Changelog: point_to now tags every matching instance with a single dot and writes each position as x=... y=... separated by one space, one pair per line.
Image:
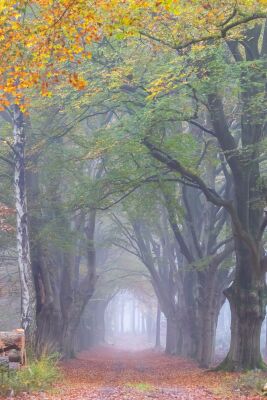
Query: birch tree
x=28 y=301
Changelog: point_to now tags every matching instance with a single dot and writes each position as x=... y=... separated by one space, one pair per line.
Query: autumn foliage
x=43 y=41
x=46 y=46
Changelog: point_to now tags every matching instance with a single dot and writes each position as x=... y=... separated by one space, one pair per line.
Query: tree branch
x=209 y=193
x=10 y=162
x=203 y=128
x=219 y=245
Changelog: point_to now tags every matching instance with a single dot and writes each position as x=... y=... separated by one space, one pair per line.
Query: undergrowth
x=38 y=375
x=250 y=382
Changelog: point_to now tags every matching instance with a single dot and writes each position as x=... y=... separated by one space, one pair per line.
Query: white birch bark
x=28 y=300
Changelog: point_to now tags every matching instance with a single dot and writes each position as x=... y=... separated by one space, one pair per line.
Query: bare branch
x=203 y=128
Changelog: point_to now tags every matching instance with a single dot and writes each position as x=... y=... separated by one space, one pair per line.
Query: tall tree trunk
x=28 y=299
x=68 y=339
x=49 y=332
x=98 y=326
x=158 y=321
x=133 y=317
x=210 y=302
x=138 y=321
x=143 y=324
x=95 y=327
x=48 y=268
x=208 y=317
x=122 y=317
x=100 y=316
x=247 y=315
x=247 y=294
x=73 y=302
x=171 y=336
x=187 y=312
x=149 y=326
x=186 y=336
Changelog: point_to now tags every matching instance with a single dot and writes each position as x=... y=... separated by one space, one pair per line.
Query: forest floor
x=109 y=373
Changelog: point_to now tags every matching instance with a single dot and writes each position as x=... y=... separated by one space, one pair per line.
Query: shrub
x=251 y=382
x=39 y=375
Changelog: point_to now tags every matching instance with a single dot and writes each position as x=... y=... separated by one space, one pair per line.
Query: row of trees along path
x=45 y=38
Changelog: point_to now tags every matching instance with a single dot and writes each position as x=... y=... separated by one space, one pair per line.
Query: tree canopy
x=138 y=125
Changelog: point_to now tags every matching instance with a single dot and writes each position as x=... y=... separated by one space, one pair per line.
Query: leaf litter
x=107 y=373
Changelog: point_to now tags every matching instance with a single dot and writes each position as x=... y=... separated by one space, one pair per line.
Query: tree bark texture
x=28 y=298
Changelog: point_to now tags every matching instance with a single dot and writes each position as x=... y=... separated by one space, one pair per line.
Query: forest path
x=108 y=373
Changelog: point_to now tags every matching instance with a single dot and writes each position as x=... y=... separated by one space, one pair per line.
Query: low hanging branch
x=174 y=165
x=210 y=194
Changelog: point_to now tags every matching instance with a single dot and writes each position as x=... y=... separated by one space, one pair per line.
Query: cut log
x=13 y=340
x=14 y=356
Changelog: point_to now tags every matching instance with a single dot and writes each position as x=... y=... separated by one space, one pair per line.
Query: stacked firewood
x=12 y=348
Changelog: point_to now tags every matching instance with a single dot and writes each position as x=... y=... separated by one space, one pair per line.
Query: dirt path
x=109 y=374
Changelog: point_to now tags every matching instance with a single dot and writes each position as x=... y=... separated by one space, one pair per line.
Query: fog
x=131 y=324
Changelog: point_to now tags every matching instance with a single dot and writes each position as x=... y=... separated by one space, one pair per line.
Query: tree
x=128 y=166
x=43 y=45
x=17 y=148
x=205 y=249
x=28 y=296
x=63 y=254
x=188 y=283
x=246 y=294
x=40 y=38
x=251 y=89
